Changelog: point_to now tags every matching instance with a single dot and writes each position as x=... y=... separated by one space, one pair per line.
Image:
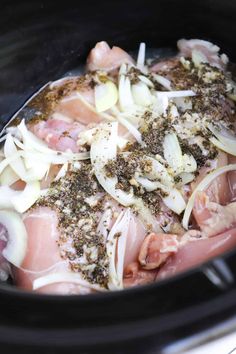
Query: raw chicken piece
x=81 y=110
x=213 y=218
x=156 y=248
x=196 y=252
x=232 y=179
x=208 y=50
x=102 y=57
x=165 y=65
x=135 y=275
x=43 y=253
x=58 y=134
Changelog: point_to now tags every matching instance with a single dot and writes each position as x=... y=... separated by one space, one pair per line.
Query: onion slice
x=64 y=277
x=141 y=56
x=173 y=94
x=200 y=187
x=32 y=142
x=172 y=152
x=10 y=150
x=22 y=201
x=116 y=249
x=15 y=250
x=106 y=96
x=104 y=149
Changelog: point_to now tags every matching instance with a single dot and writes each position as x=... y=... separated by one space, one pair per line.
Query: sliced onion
x=10 y=150
x=183 y=103
x=6 y=195
x=145 y=215
x=22 y=201
x=131 y=128
x=32 y=142
x=103 y=150
x=64 y=277
x=141 y=56
x=227 y=148
x=163 y=81
x=106 y=96
x=202 y=186
x=125 y=96
x=225 y=137
x=116 y=251
x=174 y=94
x=8 y=177
x=160 y=104
x=172 y=152
x=123 y=69
x=88 y=105
x=146 y=81
x=175 y=201
x=15 y=250
x=141 y=94
x=186 y=178
x=122 y=142
x=158 y=171
x=189 y=163
x=62 y=172
x=121 y=247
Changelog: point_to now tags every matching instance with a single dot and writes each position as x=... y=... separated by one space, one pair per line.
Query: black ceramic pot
x=41 y=41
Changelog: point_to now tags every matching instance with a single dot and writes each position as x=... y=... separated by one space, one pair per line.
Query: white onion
x=174 y=94
x=62 y=172
x=121 y=247
x=6 y=195
x=189 y=163
x=141 y=56
x=103 y=150
x=200 y=187
x=175 y=201
x=226 y=140
x=125 y=96
x=163 y=81
x=172 y=152
x=106 y=96
x=32 y=142
x=10 y=150
x=160 y=104
x=8 y=177
x=186 y=178
x=23 y=200
x=88 y=105
x=141 y=94
x=183 y=103
x=131 y=128
x=145 y=215
x=146 y=81
x=227 y=148
x=64 y=277
x=116 y=249
x=15 y=249
x=158 y=171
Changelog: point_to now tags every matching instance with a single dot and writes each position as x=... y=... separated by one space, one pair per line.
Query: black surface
x=39 y=42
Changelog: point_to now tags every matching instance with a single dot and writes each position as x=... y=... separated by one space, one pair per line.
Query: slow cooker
x=40 y=41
